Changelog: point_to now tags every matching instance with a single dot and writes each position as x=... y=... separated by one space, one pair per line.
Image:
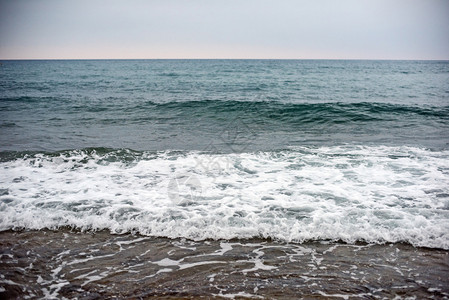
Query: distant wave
x=328 y=112
x=286 y=109
x=301 y=113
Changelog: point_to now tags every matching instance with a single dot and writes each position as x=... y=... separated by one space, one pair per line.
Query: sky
x=271 y=29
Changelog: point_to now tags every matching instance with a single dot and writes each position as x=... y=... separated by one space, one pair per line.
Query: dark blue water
x=227 y=105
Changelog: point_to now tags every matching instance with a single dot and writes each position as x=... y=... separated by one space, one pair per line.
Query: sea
x=224 y=179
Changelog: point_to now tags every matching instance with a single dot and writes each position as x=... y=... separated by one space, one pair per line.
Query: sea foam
x=351 y=193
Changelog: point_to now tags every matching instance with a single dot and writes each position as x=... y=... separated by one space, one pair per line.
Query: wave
x=351 y=111
x=363 y=111
x=375 y=194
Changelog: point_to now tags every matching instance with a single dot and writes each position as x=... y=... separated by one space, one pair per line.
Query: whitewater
x=375 y=194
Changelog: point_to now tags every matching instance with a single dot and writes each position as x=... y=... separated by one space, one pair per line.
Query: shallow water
x=64 y=263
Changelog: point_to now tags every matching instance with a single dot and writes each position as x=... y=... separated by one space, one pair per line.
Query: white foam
x=258 y=262
x=200 y=263
x=239 y=294
x=333 y=295
x=371 y=193
x=225 y=247
x=166 y=262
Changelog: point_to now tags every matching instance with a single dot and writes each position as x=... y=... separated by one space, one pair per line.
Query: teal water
x=190 y=104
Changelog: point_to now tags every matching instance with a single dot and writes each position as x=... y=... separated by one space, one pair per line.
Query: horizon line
x=354 y=59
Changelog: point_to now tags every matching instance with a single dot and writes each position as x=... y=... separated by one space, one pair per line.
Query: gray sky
x=349 y=29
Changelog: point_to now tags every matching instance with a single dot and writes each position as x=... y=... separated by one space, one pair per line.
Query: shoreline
x=74 y=264
x=137 y=235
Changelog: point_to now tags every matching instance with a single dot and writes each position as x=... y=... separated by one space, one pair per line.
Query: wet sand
x=71 y=264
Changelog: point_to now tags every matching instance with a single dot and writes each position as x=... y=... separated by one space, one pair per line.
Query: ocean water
x=293 y=153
